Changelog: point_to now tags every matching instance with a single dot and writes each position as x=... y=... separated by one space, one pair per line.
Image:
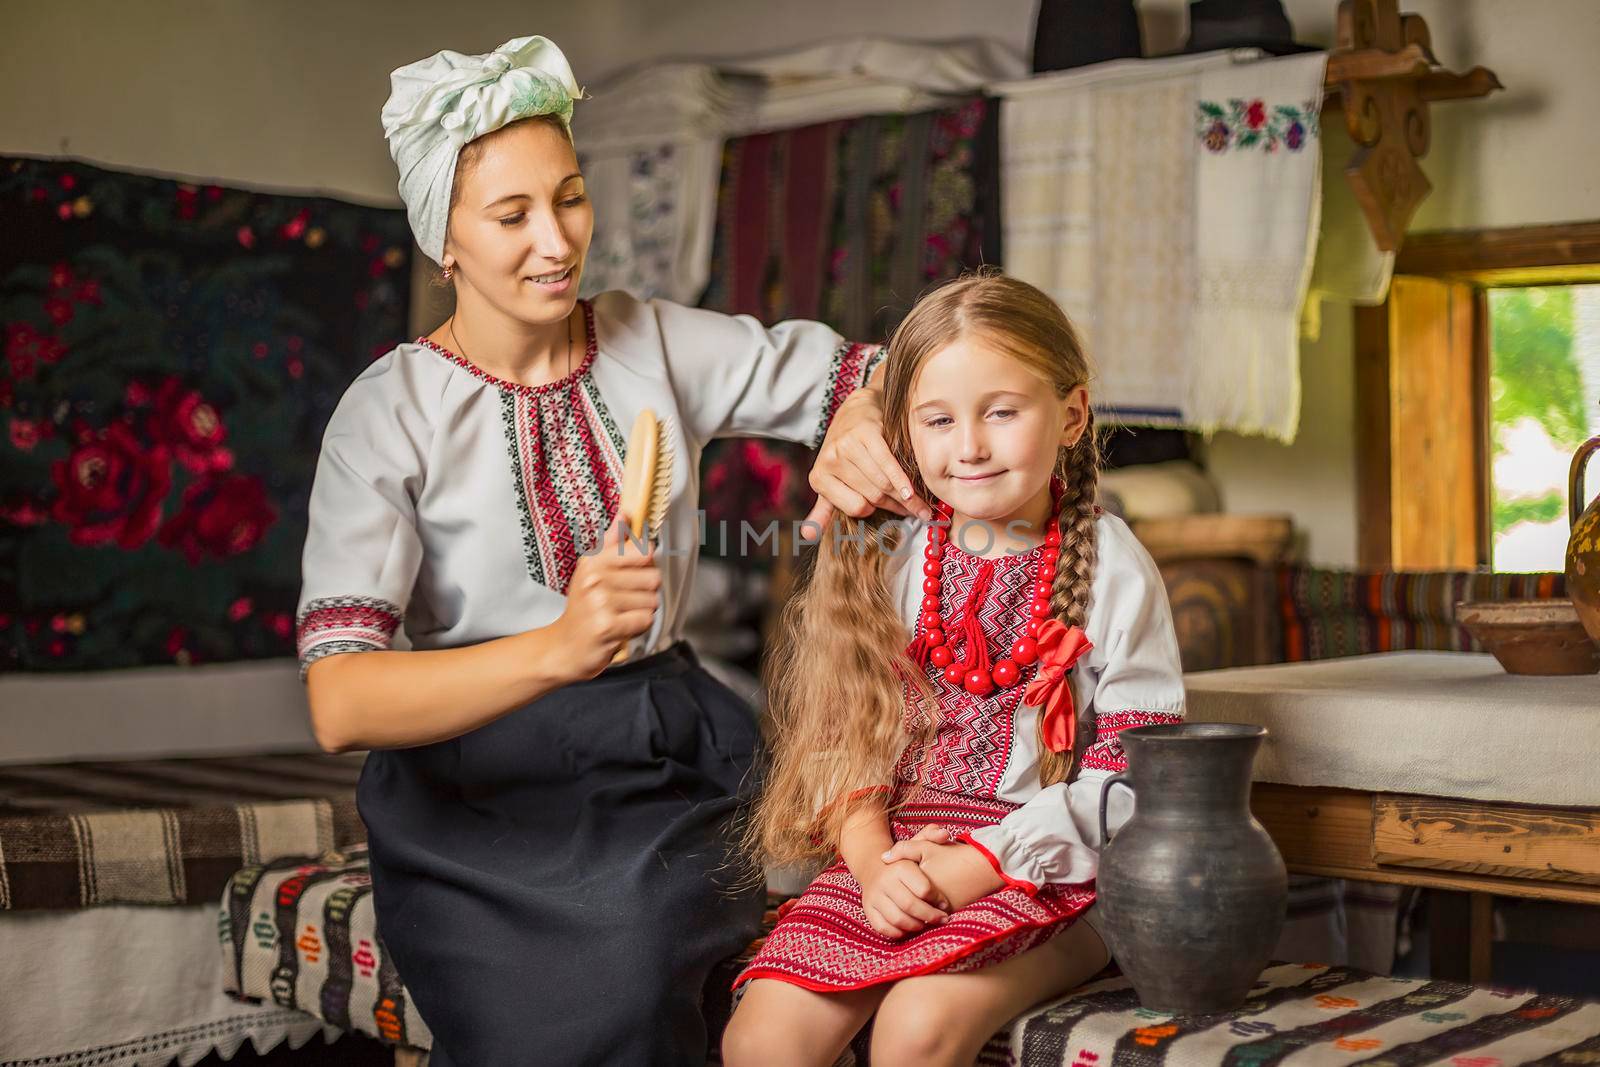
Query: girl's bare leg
x=779 y=1024
x=945 y=1019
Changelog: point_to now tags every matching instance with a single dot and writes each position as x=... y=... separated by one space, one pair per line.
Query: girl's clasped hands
x=922 y=881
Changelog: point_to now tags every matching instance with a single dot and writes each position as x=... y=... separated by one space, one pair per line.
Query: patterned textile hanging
x=173 y=352
x=848 y=222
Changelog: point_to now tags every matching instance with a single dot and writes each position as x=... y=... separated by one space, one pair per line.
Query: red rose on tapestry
x=191 y=427
x=111 y=490
x=1256 y=114
x=750 y=481
x=59 y=309
x=22 y=342
x=222 y=516
x=26 y=513
x=26 y=433
x=26 y=348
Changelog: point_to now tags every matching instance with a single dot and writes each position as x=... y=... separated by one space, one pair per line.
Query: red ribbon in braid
x=1059 y=648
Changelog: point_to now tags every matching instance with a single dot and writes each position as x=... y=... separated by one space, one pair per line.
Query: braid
x=1079 y=469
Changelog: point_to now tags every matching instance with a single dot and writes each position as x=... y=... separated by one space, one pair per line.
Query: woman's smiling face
x=521 y=222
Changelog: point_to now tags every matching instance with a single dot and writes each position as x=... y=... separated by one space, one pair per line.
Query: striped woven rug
x=1310 y=1015
x=75 y=835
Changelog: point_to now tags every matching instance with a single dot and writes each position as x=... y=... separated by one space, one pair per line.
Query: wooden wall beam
x=1374 y=445
x=1568 y=253
x=1419 y=463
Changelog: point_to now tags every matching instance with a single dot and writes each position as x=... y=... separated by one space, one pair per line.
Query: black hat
x=1263 y=24
x=1075 y=33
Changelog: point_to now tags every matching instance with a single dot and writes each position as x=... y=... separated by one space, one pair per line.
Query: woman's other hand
x=854 y=471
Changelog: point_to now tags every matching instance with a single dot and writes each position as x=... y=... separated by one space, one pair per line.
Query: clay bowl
x=1532 y=636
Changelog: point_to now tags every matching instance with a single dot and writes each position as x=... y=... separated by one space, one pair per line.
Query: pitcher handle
x=1575 y=500
x=1105 y=795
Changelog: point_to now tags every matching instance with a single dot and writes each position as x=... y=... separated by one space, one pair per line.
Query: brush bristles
x=661 y=487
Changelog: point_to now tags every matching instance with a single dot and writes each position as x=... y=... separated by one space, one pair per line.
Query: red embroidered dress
x=978 y=775
x=459 y=503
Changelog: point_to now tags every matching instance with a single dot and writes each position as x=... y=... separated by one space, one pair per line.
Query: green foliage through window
x=1534 y=371
x=1541 y=407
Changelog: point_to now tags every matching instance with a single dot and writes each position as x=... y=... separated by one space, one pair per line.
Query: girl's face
x=521 y=225
x=985 y=430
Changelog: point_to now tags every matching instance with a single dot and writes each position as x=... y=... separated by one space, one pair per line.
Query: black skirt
x=555 y=887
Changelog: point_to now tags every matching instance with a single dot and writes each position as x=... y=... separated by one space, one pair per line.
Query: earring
x=449 y=271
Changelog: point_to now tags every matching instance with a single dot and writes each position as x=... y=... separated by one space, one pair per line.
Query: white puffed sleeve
x=1055 y=837
x=1132 y=678
x=362 y=551
x=733 y=377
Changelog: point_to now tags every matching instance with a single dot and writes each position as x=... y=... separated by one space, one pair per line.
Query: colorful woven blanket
x=303 y=936
x=75 y=835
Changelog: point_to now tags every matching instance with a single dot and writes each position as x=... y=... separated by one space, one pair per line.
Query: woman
x=548 y=836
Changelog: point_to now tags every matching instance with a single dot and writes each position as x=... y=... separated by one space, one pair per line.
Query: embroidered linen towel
x=1143 y=240
x=651 y=145
x=1171 y=207
x=1047 y=197
x=655 y=212
x=1257 y=204
x=1097 y=207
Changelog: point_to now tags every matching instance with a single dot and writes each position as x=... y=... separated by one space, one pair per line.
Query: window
x=1475 y=382
x=1544 y=401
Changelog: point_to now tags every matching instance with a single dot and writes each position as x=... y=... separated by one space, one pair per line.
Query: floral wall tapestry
x=172 y=354
x=848 y=222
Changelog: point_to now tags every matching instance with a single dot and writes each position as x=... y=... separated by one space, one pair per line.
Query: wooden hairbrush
x=646 y=482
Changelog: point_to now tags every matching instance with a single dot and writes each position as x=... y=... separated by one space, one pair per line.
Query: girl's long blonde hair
x=844 y=698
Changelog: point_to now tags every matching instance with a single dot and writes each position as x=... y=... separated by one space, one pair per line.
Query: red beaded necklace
x=975 y=673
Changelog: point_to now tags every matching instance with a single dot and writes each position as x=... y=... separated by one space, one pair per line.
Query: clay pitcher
x=1583 y=549
x=1192 y=890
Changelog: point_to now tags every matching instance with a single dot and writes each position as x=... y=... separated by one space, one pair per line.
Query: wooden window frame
x=1422 y=361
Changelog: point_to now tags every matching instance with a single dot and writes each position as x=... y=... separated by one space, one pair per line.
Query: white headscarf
x=438 y=104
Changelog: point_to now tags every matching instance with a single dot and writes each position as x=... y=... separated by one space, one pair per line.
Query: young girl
x=946 y=705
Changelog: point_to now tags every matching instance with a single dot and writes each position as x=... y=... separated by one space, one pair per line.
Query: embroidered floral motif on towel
x=852 y=365
x=330 y=625
x=1242 y=124
x=1106 y=753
